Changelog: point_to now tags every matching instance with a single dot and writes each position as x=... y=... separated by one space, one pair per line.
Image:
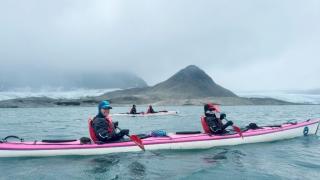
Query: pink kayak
x=172 y=141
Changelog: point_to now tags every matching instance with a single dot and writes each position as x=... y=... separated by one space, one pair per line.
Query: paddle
x=136 y=140
x=238 y=130
x=235 y=128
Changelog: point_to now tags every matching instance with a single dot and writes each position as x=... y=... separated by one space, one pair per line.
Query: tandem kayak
x=170 y=142
x=143 y=114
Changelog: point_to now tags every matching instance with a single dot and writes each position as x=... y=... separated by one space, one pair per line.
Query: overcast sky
x=242 y=45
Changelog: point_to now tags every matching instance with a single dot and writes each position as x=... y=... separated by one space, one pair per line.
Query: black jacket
x=100 y=127
x=214 y=123
x=133 y=110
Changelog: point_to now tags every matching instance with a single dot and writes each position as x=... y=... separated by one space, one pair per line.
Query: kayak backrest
x=204 y=124
x=91 y=131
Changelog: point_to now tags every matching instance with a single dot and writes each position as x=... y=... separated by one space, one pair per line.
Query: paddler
x=150 y=110
x=133 y=110
x=103 y=126
x=214 y=118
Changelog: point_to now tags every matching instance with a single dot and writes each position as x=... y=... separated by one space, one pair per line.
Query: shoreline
x=38 y=102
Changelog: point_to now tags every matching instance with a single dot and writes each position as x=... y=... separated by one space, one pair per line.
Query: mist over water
x=54 y=93
x=285 y=96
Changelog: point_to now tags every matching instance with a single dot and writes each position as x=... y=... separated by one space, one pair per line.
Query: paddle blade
x=238 y=130
x=137 y=141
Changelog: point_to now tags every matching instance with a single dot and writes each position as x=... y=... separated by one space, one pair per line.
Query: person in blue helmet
x=103 y=126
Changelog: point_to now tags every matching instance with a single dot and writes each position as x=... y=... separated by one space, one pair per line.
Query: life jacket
x=110 y=124
x=213 y=123
x=205 y=126
x=92 y=133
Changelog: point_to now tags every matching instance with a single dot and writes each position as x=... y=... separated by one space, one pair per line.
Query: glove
x=125 y=132
x=223 y=116
x=229 y=123
x=115 y=124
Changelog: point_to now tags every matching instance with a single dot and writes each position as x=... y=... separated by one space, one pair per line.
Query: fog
x=243 y=45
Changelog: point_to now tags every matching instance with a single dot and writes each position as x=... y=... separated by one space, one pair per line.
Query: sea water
x=297 y=158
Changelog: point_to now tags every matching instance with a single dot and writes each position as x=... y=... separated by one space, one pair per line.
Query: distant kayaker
x=133 y=110
x=214 y=119
x=150 y=110
x=103 y=126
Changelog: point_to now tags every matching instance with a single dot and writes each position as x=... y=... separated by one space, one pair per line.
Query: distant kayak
x=142 y=114
x=172 y=141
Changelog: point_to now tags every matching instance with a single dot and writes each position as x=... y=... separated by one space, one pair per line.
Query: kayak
x=169 y=142
x=143 y=114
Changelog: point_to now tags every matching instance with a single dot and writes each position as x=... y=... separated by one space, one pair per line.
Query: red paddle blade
x=138 y=141
x=238 y=130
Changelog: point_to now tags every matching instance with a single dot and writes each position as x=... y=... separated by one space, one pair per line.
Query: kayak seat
x=205 y=126
x=91 y=131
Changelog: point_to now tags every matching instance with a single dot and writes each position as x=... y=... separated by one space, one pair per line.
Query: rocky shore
x=35 y=102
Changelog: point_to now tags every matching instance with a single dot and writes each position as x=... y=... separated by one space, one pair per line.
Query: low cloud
x=243 y=45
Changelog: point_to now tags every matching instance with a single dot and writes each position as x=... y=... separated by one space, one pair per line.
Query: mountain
x=189 y=83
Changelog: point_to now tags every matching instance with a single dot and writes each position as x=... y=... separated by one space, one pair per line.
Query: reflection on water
x=103 y=164
x=216 y=157
x=137 y=170
x=223 y=155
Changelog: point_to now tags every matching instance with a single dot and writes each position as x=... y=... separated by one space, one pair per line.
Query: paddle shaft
x=136 y=140
x=236 y=128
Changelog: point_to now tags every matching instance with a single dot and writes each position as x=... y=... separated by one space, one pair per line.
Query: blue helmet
x=104 y=105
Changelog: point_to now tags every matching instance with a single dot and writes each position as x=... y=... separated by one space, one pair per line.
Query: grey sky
x=243 y=45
